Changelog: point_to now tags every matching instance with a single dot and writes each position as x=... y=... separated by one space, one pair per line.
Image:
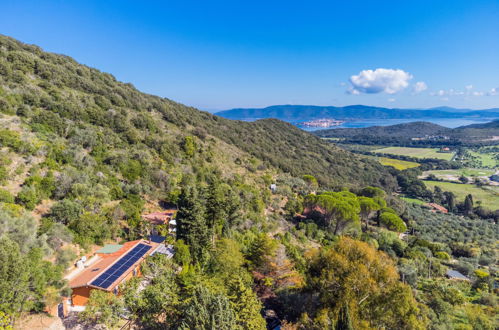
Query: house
x=435 y=207
x=455 y=275
x=161 y=218
x=109 y=269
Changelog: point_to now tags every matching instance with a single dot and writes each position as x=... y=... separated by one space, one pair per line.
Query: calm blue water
x=446 y=122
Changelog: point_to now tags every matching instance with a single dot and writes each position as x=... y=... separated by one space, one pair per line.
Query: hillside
x=414 y=129
x=85 y=159
x=415 y=133
x=309 y=112
x=56 y=96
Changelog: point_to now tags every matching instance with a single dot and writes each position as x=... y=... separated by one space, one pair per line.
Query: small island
x=325 y=122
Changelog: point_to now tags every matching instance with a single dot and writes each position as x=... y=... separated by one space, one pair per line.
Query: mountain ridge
x=308 y=112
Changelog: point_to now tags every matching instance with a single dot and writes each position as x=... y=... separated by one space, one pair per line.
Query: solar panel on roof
x=115 y=271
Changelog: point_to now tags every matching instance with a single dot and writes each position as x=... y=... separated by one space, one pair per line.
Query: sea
x=446 y=122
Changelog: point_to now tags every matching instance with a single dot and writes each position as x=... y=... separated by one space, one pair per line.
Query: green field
x=455 y=174
x=487 y=159
x=396 y=163
x=416 y=152
x=488 y=195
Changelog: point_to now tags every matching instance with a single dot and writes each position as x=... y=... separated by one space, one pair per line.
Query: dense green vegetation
x=84 y=156
x=485 y=196
x=416 y=152
x=418 y=133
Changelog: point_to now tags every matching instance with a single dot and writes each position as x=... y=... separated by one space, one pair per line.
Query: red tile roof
x=438 y=207
x=107 y=260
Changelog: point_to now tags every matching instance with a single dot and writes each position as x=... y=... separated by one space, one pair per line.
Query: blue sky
x=225 y=54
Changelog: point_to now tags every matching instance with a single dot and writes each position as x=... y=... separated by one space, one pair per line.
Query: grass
x=467 y=172
x=487 y=159
x=488 y=195
x=396 y=163
x=416 y=152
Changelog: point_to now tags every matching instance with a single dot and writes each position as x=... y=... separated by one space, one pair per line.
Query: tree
x=192 y=224
x=157 y=305
x=344 y=322
x=261 y=247
x=66 y=211
x=450 y=201
x=205 y=310
x=311 y=182
x=340 y=209
x=246 y=306
x=102 y=308
x=14 y=279
x=392 y=222
x=438 y=195
x=182 y=254
x=468 y=204
x=222 y=207
x=25 y=279
x=367 y=206
x=355 y=274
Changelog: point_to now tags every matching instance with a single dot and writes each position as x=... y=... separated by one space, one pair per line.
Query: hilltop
x=415 y=133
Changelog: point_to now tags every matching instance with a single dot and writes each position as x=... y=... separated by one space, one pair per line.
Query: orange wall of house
x=80 y=295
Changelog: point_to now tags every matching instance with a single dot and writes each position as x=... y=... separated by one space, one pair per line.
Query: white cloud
x=380 y=80
x=391 y=100
x=439 y=93
x=493 y=92
x=468 y=91
x=419 y=87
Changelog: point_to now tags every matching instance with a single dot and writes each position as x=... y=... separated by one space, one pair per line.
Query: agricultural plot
x=453 y=175
x=416 y=152
x=396 y=163
x=413 y=200
x=486 y=159
x=488 y=195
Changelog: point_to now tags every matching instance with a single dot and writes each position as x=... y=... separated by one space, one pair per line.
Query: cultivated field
x=488 y=195
x=453 y=175
x=486 y=159
x=413 y=200
x=396 y=163
x=416 y=152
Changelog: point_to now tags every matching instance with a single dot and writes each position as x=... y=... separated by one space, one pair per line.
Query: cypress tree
x=344 y=322
x=192 y=226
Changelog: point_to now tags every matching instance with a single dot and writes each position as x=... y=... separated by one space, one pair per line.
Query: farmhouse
x=109 y=269
x=435 y=207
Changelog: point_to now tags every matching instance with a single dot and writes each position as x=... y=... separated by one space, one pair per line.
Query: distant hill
x=415 y=133
x=414 y=129
x=309 y=112
x=493 y=124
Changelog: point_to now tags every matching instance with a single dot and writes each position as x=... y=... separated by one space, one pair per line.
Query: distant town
x=324 y=122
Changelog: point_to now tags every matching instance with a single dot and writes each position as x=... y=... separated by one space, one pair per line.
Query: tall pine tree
x=192 y=225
